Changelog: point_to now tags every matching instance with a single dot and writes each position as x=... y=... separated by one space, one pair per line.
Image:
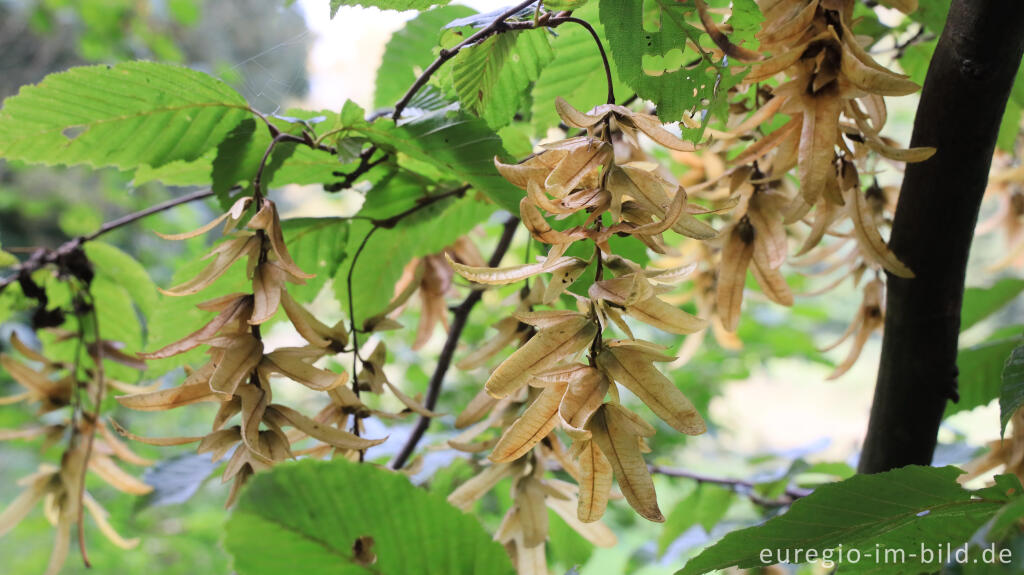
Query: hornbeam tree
x=560 y=201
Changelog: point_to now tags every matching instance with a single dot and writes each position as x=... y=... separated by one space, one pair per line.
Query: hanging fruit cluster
x=238 y=374
x=566 y=372
x=69 y=396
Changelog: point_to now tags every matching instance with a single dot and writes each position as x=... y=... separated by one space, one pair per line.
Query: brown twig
x=385 y=223
x=365 y=165
x=597 y=39
x=740 y=486
x=497 y=26
x=91 y=420
x=493 y=28
x=43 y=257
x=460 y=317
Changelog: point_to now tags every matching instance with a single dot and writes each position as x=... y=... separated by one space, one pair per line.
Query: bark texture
x=962 y=103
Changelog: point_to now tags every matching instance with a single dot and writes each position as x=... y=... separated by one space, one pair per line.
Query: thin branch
x=738 y=485
x=600 y=47
x=352 y=319
x=306 y=138
x=43 y=257
x=423 y=203
x=365 y=165
x=91 y=420
x=493 y=28
x=497 y=26
x=131 y=218
x=385 y=223
x=257 y=180
x=461 y=316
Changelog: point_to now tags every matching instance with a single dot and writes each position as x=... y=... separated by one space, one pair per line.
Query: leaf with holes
x=576 y=74
x=129 y=115
x=663 y=66
x=319 y=518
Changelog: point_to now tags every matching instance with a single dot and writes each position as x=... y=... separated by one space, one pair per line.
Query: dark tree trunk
x=962 y=103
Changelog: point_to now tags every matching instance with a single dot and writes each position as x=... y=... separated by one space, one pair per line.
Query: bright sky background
x=347 y=50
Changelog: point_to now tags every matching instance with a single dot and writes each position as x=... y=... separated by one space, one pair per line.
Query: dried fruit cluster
x=1005 y=190
x=239 y=371
x=818 y=73
x=77 y=389
x=581 y=175
x=833 y=91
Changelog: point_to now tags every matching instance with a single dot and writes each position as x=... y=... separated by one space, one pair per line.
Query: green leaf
x=7 y=259
x=305 y=517
x=576 y=74
x=713 y=505
x=410 y=50
x=679 y=520
x=119 y=267
x=121 y=289
x=352 y=114
x=531 y=55
x=387 y=252
x=651 y=62
x=318 y=247
x=185 y=12
x=835 y=468
x=129 y=115
x=1008 y=517
x=396 y=192
x=932 y=14
x=179 y=173
x=476 y=69
x=905 y=509
x=516 y=139
x=980 y=303
x=1009 y=126
x=492 y=78
x=238 y=161
x=705 y=506
x=566 y=546
x=238 y=157
x=1011 y=394
x=386 y=4
x=459 y=145
x=117 y=317
x=746 y=22
x=981 y=368
x=916 y=58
